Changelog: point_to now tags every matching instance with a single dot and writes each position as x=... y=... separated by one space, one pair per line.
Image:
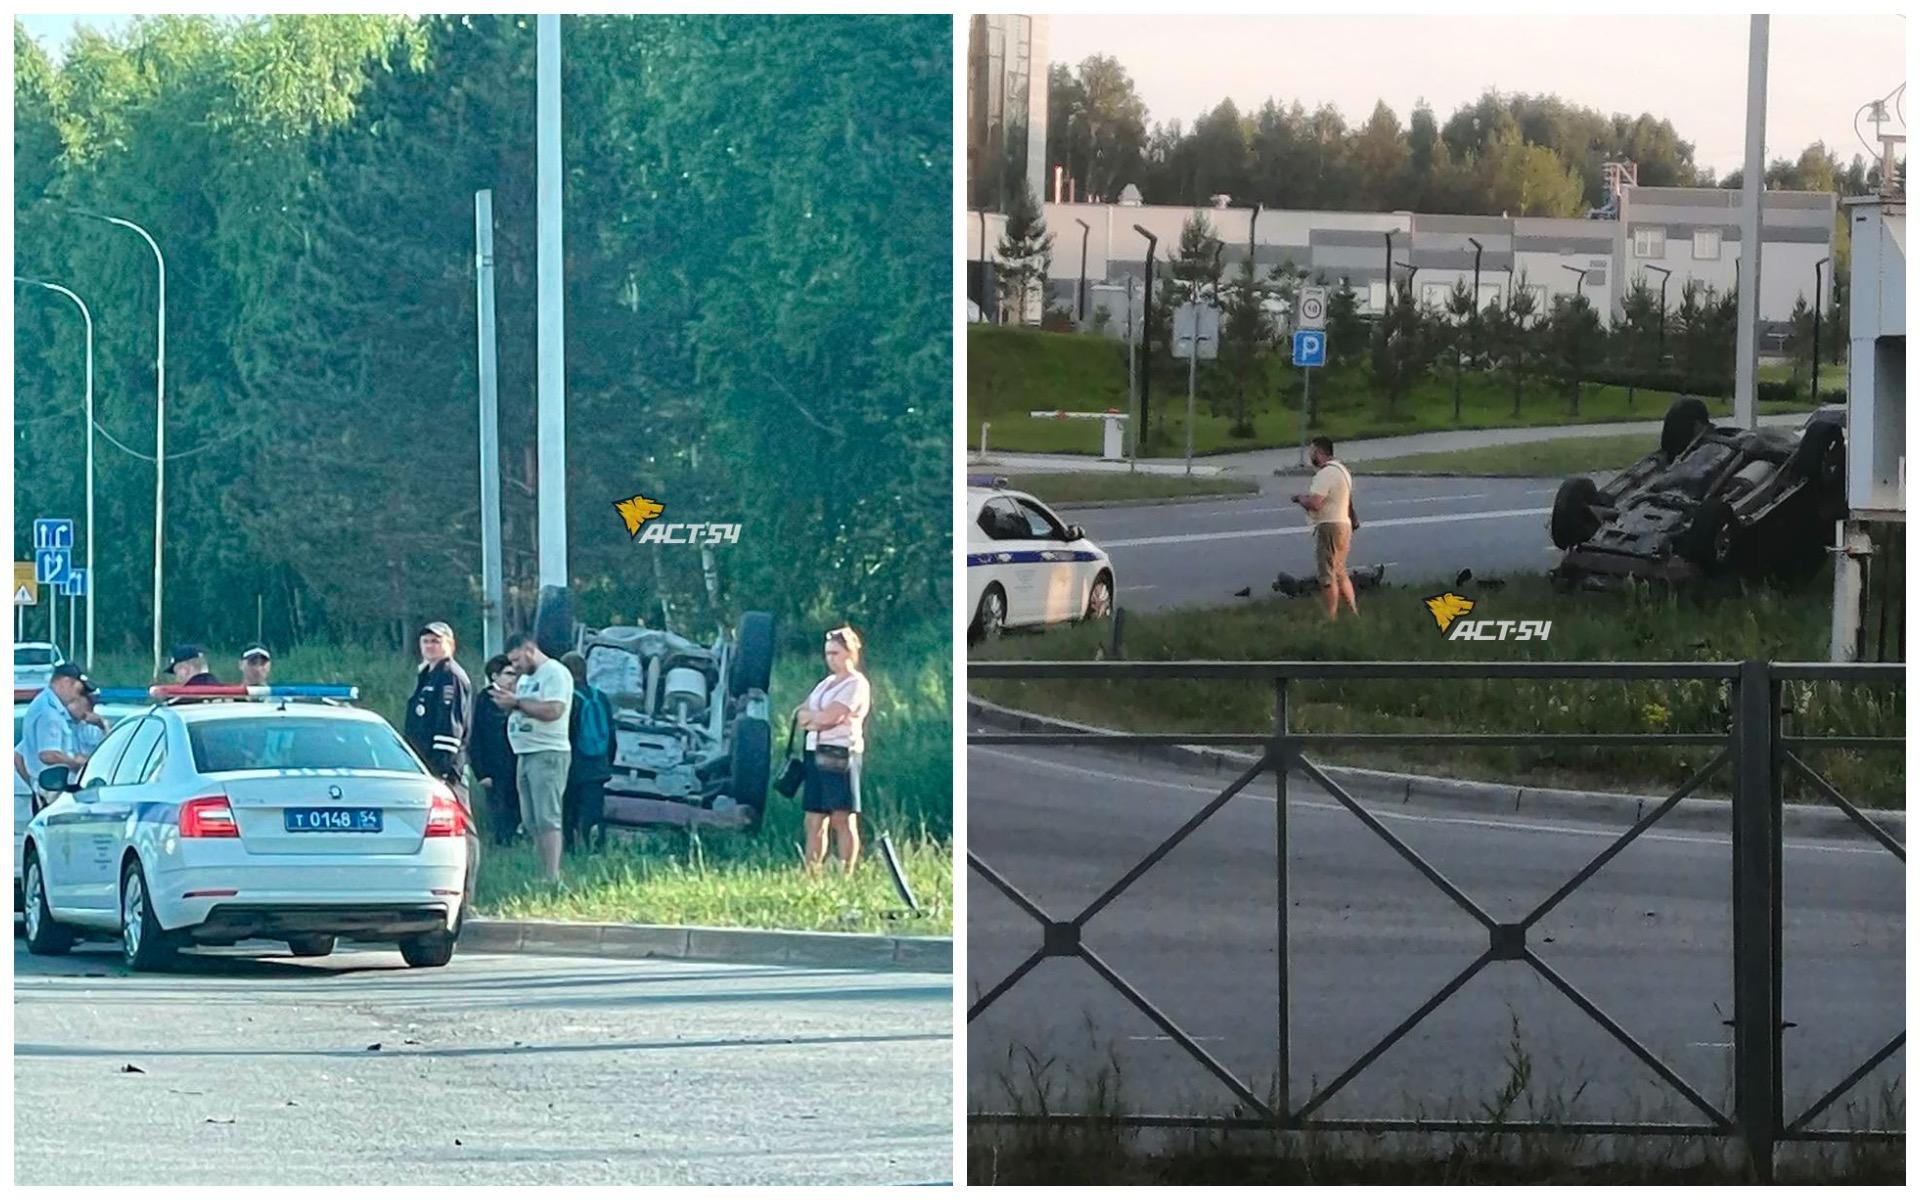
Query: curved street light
x=86 y=317
x=159 y=429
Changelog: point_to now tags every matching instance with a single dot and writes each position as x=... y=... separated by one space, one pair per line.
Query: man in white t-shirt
x=537 y=711
x=1329 y=506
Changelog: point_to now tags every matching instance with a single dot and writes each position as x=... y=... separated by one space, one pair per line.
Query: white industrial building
x=1693 y=233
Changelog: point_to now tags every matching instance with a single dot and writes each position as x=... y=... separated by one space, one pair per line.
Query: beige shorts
x=1330 y=543
x=542 y=779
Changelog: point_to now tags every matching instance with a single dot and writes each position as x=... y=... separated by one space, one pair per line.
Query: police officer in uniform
x=438 y=718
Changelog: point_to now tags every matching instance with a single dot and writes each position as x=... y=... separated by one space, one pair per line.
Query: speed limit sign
x=1313 y=308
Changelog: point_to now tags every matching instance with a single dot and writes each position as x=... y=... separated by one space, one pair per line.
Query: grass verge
x=1636 y=624
x=1078 y=487
x=669 y=877
x=1555 y=458
x=1012 y=373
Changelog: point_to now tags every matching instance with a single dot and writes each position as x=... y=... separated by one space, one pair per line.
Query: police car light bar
x=236 y=691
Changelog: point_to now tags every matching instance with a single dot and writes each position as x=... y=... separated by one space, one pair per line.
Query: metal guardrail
x=1761 y=756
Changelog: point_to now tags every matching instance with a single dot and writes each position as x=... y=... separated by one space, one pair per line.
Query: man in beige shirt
x=1329 y=506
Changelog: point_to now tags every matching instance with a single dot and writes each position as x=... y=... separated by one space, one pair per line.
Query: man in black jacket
x=438 y=715
x=492 y=755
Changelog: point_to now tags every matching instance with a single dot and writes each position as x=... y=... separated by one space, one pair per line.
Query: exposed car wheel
x=1573 y=520
x=317 y=945
x=1100 y=597
x=553 y=621
x=428 y=949
x=44 y=934
x=1821 y=460
x=752 y=762
x=990 y=621
x=1685 y=418
x=1708 y=540
x=753 y=653
x=143 y=944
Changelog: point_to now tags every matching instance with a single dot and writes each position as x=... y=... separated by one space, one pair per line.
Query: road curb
x=1156 y=502
x=779 y=947
x=1476 y=797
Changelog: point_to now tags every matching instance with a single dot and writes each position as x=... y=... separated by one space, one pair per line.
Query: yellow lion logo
x=637 y=511
x=1447 y=608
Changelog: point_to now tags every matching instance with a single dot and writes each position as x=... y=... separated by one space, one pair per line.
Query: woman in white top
x=835 y=717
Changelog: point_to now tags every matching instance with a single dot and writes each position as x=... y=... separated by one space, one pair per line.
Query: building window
x=1706 y=245
x=1650 y=241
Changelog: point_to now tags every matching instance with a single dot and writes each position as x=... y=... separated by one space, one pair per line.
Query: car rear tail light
x=208 y=817
x=446 y=818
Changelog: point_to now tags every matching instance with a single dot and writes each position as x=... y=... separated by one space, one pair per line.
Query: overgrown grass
x=1552 y=459
x=1013 y=372
x=1095 y=1146
x=1634 y=624
x=1076 y=487
x=723 y=878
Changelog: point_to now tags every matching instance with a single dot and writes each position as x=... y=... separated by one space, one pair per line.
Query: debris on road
x=130 y=1069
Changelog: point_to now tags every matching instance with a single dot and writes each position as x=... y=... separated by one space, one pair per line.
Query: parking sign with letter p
x=1310 y=348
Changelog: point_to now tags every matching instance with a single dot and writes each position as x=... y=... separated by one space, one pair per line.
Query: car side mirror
x=54 y=779
x=1075 y=533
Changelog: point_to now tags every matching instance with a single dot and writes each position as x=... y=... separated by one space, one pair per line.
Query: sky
x=1690 y=70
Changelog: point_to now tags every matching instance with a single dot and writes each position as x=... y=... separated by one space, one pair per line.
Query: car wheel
x=44 y=934
x=317 y=945
x=991 y=619
x=143 y=943
x=428 y=949
x=1708 y=540
x=753 y=653
x=1573 y=521
x=1684 y=421
x=1100 y=598
x=752 y=762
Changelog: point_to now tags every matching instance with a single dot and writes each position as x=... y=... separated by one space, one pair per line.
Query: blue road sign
x=53 y=533
x=52 y=566
x=1310 y=348
x=76 y=583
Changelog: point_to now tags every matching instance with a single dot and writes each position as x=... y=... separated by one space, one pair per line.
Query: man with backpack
x=1329 y=506
x=590 y=733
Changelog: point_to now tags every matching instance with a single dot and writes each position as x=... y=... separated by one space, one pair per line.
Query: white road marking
x=1389 y=815
x=1430 y=499
x=1140 y=587
x=1301 y=530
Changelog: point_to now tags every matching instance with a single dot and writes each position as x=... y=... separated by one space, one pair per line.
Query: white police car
x=33 y=663
x=22 y=793
x=227 y=813
x=1027 y=567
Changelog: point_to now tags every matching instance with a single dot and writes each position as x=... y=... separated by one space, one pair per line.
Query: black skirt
x=831 y=791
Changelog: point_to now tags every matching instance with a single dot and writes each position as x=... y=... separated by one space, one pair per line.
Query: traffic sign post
x=1195 y=326
x=74 y=587
x=1309 y=351
x=52 y=565
x=53 y=533
x=1312 y=308
x=26 y=587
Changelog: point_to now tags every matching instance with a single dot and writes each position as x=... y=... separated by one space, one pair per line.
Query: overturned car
x=1712 y=499
x=692 y=742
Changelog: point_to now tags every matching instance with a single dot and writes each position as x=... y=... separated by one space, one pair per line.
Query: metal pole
x=552 y=322
x=493 y=601
x=1306 y=409
x=86 y=318
x=1146 y=358
x=1665 y=275
x=1746 y=364
x=1193 y=361
x=1756 y=1031
x=1388 y=274
x=1819 y=302
x=1133 y=393
x=986 y=313
x=1085 y=229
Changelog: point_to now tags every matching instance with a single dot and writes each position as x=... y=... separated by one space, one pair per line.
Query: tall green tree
x=1025 y=257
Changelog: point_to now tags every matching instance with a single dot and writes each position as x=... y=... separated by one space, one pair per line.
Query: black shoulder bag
x=795 y=772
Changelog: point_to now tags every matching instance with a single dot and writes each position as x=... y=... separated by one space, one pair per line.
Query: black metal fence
x=1761 y=755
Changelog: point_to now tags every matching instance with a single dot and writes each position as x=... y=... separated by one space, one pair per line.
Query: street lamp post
x=1146 y=357
x=1388 y=275
x=1664 y=274
x=159 y=435
x=87 y=318
x=1085 y=229
x=985 y=291
x=1819 y=301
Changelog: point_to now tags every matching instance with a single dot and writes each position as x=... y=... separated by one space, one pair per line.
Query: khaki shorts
x=1330 y=543
x=542 y=780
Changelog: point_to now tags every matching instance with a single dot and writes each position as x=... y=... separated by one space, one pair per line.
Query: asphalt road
x=1647 y=939
x=510 y=1069
x=1426 y=530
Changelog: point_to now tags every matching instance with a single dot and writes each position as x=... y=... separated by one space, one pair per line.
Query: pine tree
x=1026 y=258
